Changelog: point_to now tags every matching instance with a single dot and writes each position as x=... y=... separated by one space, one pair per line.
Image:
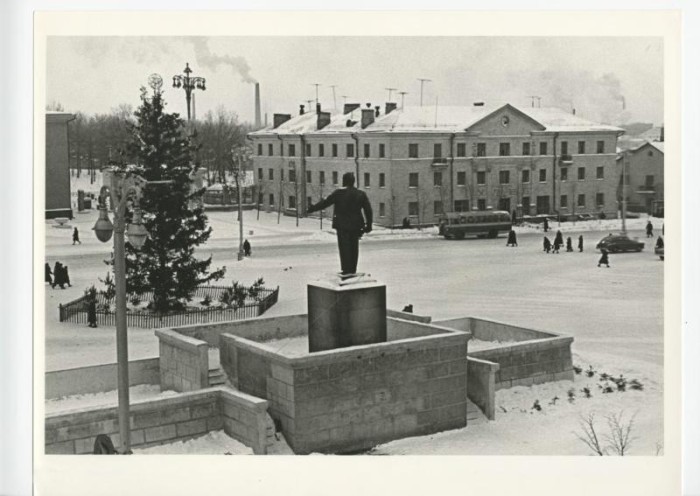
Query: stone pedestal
x=346 y=315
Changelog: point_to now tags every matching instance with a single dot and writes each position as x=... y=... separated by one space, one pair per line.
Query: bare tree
x=620 y=436
x=589 y=436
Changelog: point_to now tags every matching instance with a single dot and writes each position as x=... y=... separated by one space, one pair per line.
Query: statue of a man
x=349 y=206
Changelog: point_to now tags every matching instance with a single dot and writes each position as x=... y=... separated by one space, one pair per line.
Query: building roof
x=659 y=145
x=438 y=119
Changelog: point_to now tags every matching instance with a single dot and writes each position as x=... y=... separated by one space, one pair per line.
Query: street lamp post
x=236 y=162
x=189 y=84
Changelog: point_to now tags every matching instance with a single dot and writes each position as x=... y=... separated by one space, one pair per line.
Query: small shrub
x=571 y=395
x=537 y=406
x=206 y=302
x=577 y=370
x=554 y=400
x=135 y=300
x=590 y=372
x=605 y=377
x=586 y=392
x=636 y=385
x=607 y=388
x=621 y=383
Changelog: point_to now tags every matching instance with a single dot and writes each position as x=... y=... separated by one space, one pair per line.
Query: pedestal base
x=347 y=315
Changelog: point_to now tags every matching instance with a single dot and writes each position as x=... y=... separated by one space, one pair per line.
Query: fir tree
x=172 y=213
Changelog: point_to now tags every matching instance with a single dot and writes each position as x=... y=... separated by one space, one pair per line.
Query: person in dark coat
x=659 y=242
x=604 y=258
x=58 y=276
x=580 y=243
x=104 y=446
x=512 y=239
x=352 y=217
x=246 y=248
x=406 y=223
x=555 y=246
x=92 y=312
x=558 y=238
x=66 y=277
x=650 y=229
x=546 y=224
x=568 y=244
x=48 y=274
x=547 y=244
x=76 y=236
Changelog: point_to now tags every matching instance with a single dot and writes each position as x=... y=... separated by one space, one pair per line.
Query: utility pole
x=422 y=81
x=345 y=99
x=389 y=90
x=317 y=85
x=403 y=94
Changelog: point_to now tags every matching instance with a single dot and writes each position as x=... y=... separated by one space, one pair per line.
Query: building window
x=335 y=178
x=292 y=149
x=271 y=199
x=481 y=177
x=461 y=205
x=564 y=145
x=349 y=150
x=543 y=148
x=461 y=149
x=437 y=207
x=382 y=150
x=504 y=149
x=413 y=180
x=504 y=177
x=308 y=177
x=292 y=201
x=461 y=178
x=260 y=174
x=271 y=174
x=543 y=175
x=382 y=210
x=367 y=184
x=437 y=178
x=366 y=150
x=334 y=150
x=437 y=150
x=599 y=199
x=321 y=150
x=526 y=148
x=282 y=177
x=270 y=149
x=564 y=173
x=526 y=205
x=526 y=176
x=413 y=150
x=581 y=173
x=413 y=209
x=308 y=149
x=259 y=149
x=582 y=200
x=581 y=147
x=481 y=149
x=481 y=204
x=321 y=177
x=649 y=180
x=292 y=175
x=564 y=201
x=382 y=181
x=600 y=173
x=600 y=146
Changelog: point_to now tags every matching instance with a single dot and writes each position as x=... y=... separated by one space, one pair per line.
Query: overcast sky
x=610 y=80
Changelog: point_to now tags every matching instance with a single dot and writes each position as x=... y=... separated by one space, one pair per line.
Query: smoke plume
x=211 y=61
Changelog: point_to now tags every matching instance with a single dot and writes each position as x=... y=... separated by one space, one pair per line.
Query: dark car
x=615 y=243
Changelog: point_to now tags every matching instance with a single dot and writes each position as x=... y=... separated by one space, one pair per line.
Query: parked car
x=659 y=248
x=615 y=243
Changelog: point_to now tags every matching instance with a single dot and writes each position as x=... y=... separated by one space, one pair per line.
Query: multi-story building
x=418 y=162
x=644 y=167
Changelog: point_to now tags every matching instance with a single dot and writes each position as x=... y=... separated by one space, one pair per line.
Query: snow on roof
x=428 y=118
x=659 y=145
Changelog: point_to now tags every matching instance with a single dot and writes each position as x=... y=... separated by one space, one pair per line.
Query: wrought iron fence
x=76 y=310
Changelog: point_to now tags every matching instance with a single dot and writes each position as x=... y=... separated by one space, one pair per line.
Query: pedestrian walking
x=246 y=248
x=512 y=239
x=76 y=236
x=555 y=246
x=66 y=277
x=546 y=224
x=650 y=229
x=48 y=274
x=58 y=276
x=580 y=243
x=568 y=244
x=92 y=312
x=604 y=258
x=547 y=244
x=558 y=238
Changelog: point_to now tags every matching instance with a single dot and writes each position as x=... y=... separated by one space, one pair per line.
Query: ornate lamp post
x=189 y=84
x=236 y=159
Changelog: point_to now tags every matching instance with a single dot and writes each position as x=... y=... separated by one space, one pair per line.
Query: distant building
x=58 y=195
x=417 y=162
x=645 y=177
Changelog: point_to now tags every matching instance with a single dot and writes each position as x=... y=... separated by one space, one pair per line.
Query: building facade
x=645 y=178
x=58 y=195
x=419 y=162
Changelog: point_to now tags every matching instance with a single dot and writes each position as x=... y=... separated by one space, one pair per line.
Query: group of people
x=550 y=247
x=59 y=276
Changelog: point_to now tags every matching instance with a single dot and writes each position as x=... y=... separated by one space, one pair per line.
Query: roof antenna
x=403 y=94
x=436 y=109
x=390 y=90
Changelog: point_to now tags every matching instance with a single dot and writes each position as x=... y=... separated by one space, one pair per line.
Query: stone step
x=216 y=377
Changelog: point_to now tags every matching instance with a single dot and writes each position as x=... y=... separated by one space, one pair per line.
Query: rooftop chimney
x=279 y=119
x=349 y=107
x=662 y=134
x=376 y=111
x=318 y=108
x=390 y=107
x=301 y=110
x=257 y=106
x=322 y=119
x=478 y=104
x=367 y=117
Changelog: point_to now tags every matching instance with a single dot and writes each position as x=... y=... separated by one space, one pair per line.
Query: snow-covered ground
x=211 y=443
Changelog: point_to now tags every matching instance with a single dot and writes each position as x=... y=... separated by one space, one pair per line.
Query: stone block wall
x=425 y=319
x=165 y=420
x=481 y=385
x=256 y=329
x=184 y=362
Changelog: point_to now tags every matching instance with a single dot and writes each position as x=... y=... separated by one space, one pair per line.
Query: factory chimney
x=258 y=124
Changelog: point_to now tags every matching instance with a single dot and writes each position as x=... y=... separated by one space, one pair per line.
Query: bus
x=480 y=223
